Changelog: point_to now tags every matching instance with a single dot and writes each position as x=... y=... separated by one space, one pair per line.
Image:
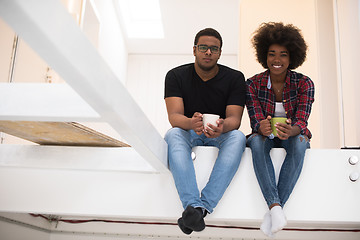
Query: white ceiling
x=184 y=18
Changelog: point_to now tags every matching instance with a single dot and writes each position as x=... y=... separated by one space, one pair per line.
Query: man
x=190 y=91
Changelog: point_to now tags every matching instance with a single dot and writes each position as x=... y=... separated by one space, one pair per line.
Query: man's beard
x=204 y=68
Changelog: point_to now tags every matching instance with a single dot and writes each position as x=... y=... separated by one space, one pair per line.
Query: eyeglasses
x=204 y=48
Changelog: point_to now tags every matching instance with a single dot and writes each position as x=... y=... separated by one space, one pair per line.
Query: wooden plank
x=59 y=133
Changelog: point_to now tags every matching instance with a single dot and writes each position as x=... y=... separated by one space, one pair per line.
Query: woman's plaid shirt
x=298 y=97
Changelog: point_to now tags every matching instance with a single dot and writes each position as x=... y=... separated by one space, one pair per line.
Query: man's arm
x=233 y=118
x=175 y=109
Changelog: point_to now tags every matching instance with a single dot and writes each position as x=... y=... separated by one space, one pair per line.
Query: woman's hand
x=284 y=130
x=265 y=127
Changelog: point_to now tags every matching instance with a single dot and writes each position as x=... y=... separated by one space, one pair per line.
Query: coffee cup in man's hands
x=210 y=118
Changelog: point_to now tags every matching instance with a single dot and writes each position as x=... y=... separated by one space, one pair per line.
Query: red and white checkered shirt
x=298 y=97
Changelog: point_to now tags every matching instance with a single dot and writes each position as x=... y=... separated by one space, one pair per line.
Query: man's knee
x=238 y=136
x=173 y=133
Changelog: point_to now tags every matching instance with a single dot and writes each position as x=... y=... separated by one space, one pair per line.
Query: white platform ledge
x=90 y=183
x=102 y=181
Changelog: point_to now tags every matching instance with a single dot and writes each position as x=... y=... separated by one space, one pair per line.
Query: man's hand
x=197 y=123
x=265 y=127
x=212 y=131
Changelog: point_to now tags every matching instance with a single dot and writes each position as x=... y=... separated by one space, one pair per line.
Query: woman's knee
x=300 y=142
x=256 y=141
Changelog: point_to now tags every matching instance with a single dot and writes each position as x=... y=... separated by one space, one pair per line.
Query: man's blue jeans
x=180 y=143
x=295 y=148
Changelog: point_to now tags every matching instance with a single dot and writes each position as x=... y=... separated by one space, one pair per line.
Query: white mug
x=210 y=118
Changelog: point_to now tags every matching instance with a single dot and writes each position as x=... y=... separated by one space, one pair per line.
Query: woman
x=278 y=92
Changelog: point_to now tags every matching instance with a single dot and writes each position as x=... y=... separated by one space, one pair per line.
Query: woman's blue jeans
x=180 y=143
x=295 y=148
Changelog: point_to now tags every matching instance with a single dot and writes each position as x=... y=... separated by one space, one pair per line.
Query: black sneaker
x=183 y=228
x=193 y=218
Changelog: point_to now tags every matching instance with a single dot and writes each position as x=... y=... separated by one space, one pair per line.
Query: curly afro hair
x=288 y=36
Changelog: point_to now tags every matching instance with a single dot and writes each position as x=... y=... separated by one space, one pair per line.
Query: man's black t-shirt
x=226 y=88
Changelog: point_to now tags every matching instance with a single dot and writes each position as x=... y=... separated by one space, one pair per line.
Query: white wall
x=29 y=66
x=6 y=43
x=327 y=86
x=112 y=44
x=348 y=12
